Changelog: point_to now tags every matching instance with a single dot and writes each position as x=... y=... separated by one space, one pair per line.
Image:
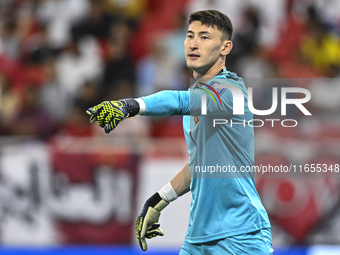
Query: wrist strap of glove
x=157 y=202
x=142 y=106
x=132 y=106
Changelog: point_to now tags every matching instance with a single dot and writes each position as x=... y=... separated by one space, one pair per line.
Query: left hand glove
x=147 y=225
x=110 y=113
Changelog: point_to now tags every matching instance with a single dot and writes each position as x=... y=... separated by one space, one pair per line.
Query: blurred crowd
x=59 y=57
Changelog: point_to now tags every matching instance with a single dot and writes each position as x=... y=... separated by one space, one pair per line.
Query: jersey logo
x=218 y=90
x=214 y=90
x=196 y=119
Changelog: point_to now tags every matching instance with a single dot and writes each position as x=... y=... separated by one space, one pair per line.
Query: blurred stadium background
x=68 y=188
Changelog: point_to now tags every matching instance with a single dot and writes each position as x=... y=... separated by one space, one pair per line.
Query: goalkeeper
x=226 y=213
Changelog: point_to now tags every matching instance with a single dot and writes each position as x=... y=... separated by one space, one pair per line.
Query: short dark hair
x=213 y=18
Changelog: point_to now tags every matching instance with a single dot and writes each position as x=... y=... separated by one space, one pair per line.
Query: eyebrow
x=200 y=33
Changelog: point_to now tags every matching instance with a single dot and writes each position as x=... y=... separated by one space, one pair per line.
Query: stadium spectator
x=80 y=62
x=173 y=40
x=254 y=65
x=9 y=103
x=88 y=94
x=37 y=48
x=247 y=38
x=10 y=39
x=96 y=23
x=321 y=48
x=131 y=9
x=54 y=97
x=76 y=124
x=59 y=16
x=157 y=71
x=31 y=119
x=118 y=73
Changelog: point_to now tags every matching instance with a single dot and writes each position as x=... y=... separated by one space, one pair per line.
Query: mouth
x=193 y=56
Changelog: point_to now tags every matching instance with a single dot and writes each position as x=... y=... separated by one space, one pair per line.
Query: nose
x=193 y=44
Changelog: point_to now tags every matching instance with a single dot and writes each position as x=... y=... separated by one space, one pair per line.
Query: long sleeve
x=167 y=103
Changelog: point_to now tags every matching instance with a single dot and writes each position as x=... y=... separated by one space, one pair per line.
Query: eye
x=205 y=37
x=190 y=36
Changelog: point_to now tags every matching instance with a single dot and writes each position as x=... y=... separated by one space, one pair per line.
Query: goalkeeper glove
x=110 y=113
x=147 y=225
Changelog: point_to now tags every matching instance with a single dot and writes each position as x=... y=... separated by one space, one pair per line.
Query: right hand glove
x=147 y=222
x=110 y=113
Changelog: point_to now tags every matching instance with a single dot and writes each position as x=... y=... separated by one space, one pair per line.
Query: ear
x=226 y=47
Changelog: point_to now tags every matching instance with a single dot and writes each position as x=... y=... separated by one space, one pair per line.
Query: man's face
x=203 y=46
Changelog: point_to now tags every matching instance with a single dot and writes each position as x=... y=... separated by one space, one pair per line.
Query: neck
x=211 y=73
